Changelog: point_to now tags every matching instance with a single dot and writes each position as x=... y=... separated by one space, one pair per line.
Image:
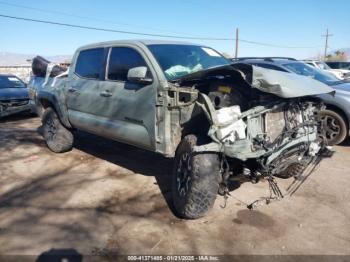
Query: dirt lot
x=107 y=198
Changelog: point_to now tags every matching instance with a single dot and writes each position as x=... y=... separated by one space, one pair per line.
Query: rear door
x=83 y=94
x=128 y=109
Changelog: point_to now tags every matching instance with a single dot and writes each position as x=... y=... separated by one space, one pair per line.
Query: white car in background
x=338 y=73
x=341 y=66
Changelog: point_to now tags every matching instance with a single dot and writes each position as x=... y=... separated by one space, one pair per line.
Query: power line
x=114 y=30
x=145 y=34
x=84 y=17
x=277 y=46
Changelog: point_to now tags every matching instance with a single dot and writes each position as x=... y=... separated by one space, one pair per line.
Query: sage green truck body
x=154 y=113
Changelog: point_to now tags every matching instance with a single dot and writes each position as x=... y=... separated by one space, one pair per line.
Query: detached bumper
x=6 y=110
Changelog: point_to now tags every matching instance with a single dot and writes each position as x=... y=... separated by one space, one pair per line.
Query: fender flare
x=52 y=99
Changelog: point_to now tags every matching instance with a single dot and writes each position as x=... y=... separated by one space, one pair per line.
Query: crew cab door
x=83 y=89
x=129 y=108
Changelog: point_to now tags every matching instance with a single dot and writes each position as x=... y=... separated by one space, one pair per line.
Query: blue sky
x=297 y=23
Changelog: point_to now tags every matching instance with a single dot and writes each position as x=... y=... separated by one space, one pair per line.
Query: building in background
x=22 y=71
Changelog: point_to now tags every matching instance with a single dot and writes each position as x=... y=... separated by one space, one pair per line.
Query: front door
x=128 y=109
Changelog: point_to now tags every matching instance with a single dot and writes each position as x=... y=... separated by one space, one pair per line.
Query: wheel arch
x=46 y=100
x=200 y=121
x=341 y=112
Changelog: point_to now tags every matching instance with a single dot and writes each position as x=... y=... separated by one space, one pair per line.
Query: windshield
x=323 y=65
x=11 y=82
x=306 y=70
x=180 y=60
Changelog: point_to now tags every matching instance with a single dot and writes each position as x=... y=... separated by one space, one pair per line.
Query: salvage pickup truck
x=219 y=121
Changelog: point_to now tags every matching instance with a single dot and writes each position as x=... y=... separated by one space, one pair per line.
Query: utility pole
x=237 y=36
x=326 y=46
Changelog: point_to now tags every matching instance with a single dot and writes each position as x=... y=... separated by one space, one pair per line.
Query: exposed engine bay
x=259 y=134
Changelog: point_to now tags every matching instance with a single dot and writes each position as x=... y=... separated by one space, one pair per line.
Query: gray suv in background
x=336 y=117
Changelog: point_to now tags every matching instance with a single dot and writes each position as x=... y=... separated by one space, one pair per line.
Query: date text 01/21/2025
x=173 y=258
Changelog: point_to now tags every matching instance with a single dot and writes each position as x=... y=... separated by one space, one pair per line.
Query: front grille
x=15 y=102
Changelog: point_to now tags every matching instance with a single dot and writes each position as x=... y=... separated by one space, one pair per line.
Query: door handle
x=106 y=93
x=72 y=90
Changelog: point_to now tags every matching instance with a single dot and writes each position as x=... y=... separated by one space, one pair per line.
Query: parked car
x=336 y=117
x=14 y=96
x=186 y=101
x=340 y=74
x=343 y=67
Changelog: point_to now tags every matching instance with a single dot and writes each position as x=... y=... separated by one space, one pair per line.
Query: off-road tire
x=58 y=138
x=203 y=185
x=339 y=127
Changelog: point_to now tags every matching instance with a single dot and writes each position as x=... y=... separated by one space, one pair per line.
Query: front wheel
x=196 y=178
x=58 y=138
x=333 y=127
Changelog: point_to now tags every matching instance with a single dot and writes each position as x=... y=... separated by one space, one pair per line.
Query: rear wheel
x=58 y=138
x=333 y=127
x=195 y=180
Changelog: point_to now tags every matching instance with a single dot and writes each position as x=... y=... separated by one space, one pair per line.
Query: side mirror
x=139 y=75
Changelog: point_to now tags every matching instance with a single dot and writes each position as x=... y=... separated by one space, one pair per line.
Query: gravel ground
x=106 y=198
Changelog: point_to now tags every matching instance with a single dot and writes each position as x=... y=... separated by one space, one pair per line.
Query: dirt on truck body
x=220 y=122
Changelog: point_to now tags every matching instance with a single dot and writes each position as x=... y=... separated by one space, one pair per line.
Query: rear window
x=90 y=63
x=11 y=82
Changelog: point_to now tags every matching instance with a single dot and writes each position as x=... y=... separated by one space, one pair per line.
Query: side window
x=268 y=66
x=332 y=65
x=121 y=60
x=90 y=63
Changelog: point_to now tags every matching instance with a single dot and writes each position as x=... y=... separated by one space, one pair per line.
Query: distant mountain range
x=11 y=59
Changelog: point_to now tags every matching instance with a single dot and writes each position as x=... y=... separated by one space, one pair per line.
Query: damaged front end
x=14 y=97
x=263 y=123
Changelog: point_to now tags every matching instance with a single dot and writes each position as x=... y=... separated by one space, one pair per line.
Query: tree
x=337 y=56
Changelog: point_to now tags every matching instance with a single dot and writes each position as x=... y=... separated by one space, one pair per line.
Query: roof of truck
x=137 y=42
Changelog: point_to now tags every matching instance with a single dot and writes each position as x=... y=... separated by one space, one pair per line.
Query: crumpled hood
x=282 y=84
x=13 y=93
x=287 y=85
